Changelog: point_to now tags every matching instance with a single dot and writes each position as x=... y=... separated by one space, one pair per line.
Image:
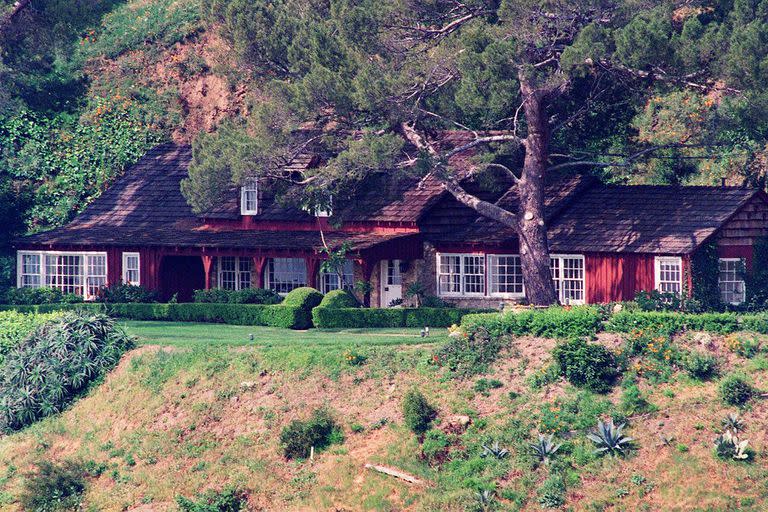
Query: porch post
x=259 y=262
x=207 y=264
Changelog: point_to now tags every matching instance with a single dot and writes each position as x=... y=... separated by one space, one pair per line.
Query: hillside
x=177 y=419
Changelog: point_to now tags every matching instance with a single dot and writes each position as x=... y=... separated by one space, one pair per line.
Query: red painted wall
x=615 y=277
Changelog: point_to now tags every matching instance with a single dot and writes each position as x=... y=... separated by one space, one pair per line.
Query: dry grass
x=176 y=421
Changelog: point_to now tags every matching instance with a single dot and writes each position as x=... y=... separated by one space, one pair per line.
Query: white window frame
x=491 y=264
x=560 y=279
x=250 y=186
x=239 y=279
x=462 y=274
x=738 y=261
x=84 y=277
x=269 y=270
x=126 y=257
x=658 y=262
x=348 y=282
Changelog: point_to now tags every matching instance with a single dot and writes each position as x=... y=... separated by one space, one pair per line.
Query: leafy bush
x=671 y=323
x=54 y=487
x=554 y=322
x=226 y=500
x=417 y=412
x=127 y=293
x=736 y=390
x=655 y=300
x=337 y=299
x=298 y=437
x=483 y=386
x=633 y=401
x=700 y=365
x=469 y=354
x=432 y=301
x=212 y=296
x=434 y=449
x=586 y=365
x=29 y=296
x=52 y=365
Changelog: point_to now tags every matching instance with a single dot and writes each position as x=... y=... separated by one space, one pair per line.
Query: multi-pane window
x=330 y=280
x=669 y=274
x=131 y=268
x=506 y=275
x=30 y=273
x=461 y=274
x=286 y=274
x=234 y=273
x=568 y=277
x=731 y=281
x=81 y=274
x=249 y=197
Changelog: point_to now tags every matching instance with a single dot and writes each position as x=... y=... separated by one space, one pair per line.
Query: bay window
x=731 y=280
x=461 y=274
x=330 y=280
x=669 y=274
x=82 y=274
x=286 y=274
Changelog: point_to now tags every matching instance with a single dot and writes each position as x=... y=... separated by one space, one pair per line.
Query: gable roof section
x=645 y=219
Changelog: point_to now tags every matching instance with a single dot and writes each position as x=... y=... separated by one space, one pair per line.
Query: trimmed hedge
x=351 y=318
x=272 y=315
x=552 y=322
x=670 y=323
x=339 y=299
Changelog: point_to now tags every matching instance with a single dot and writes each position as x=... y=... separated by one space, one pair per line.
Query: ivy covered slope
x=87 y=87
x=584 y=420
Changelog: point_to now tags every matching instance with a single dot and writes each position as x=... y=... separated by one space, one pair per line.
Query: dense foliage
x=244 y=296
x=319 y=431
x=587 y=365
x=226 y=500
x=14 y=327
x=54 y=487
x=56 y=362
x=126 y=293
x=418 y=413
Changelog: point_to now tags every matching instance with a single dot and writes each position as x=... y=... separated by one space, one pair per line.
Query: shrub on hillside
x=700 y=365
x=226 y=500
x=469 y=354
x=417 y=412
x=337 y=299
x=30 y=296
x=586 y=365
x=54 y=363
x=54 y=487
x=320 y=431
x=736 y=390
x=126 y=293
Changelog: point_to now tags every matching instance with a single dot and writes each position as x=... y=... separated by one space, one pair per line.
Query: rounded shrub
x=319 y=431
x=586 y=365
x=304 y=297
x=699 y=365
x=417 y=412
x=338 y=299
x=736 y=390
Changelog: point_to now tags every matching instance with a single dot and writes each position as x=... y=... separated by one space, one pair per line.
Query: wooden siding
x=747 y=225
x=617 y=277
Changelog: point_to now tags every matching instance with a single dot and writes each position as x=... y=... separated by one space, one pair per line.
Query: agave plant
x=544 y=448
x=485 y=499
x=609 y=438
x=494 y=450
x=733 y=422
x=728 y=445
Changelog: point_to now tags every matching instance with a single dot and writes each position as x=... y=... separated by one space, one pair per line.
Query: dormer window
x=249 y=197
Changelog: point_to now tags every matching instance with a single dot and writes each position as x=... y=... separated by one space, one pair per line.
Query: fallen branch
x=397 y=474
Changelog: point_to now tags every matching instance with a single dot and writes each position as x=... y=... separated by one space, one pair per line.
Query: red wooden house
x=607 y=242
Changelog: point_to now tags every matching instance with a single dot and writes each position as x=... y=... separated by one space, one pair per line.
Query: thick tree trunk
x=534 y=248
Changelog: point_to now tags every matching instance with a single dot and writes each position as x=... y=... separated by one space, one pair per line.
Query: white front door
x=391 y=282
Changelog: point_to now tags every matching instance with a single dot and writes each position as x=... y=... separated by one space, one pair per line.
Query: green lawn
x=195 y=334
